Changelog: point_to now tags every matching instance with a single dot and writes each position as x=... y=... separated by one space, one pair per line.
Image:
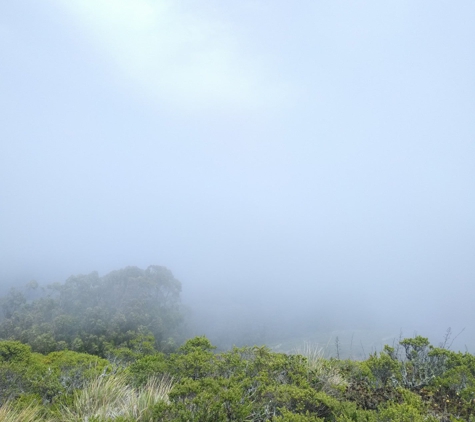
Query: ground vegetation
x=126 y=370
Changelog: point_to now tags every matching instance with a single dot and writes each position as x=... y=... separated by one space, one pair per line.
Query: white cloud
x=181 y=55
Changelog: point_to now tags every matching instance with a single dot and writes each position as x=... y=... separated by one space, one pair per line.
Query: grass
x=32 y=413
x=329 y=375
x=110 y=397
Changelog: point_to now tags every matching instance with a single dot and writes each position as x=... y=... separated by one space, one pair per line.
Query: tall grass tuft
x=110 y=397
x=32 y=413
x=327 y=372
x=314 y=355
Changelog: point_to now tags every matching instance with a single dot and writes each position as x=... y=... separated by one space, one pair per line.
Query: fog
x=306 y=170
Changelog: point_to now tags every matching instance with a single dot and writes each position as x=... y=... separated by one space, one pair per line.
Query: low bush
x=412 y=381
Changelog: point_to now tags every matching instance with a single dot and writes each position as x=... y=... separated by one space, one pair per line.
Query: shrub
x=14 y=352
x=404 y=412
x=149 y=366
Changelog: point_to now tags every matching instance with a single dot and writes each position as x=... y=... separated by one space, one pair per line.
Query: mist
x=305 y=170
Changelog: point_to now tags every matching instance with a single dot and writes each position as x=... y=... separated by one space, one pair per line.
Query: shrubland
x=132 y=368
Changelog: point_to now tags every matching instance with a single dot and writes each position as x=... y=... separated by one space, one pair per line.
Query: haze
x=299 y=166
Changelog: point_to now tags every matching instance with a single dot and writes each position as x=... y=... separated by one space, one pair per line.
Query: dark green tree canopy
x=131 y=308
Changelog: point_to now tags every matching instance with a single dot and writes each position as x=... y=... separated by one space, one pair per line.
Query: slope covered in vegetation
x=193 y=383
x=131 y=372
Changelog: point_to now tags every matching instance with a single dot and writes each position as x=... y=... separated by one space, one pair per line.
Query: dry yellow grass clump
x=329 y=375
x=32 y=413
x=110 y=396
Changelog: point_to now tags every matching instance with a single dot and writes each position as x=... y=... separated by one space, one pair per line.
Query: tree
x=130 y=308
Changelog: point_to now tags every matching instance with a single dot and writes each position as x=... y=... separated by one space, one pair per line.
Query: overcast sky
x=292 y=156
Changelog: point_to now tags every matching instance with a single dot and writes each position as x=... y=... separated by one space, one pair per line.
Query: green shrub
x=287 y=416
x=385 y=368
x=395 y=412
x=194 y=359
x=14 y=352
x=73 y=368
x=149 y=366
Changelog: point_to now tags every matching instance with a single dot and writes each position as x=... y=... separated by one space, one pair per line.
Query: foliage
x=326 y=373
x=102 y=349
x=14 y=352
x=243 y=384
x=49 y=378
x=133 y=309
x=442 y=380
